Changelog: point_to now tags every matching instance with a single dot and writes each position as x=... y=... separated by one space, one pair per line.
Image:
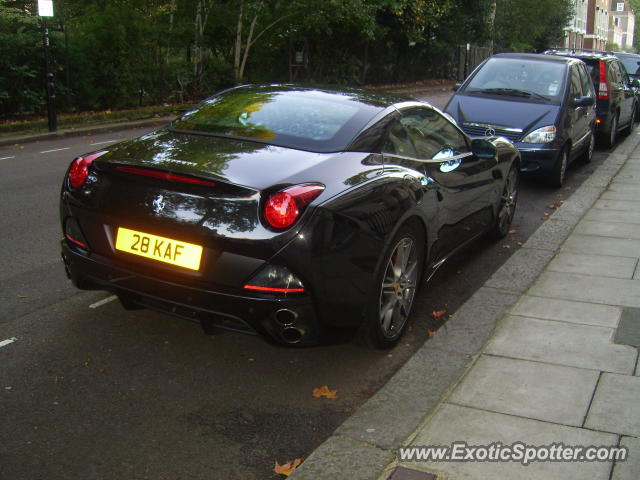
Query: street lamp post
x=45 y=9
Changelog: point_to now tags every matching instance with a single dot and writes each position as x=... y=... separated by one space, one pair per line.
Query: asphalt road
x=100 y=392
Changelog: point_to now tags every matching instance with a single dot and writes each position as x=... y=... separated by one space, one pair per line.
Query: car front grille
x=479 y=130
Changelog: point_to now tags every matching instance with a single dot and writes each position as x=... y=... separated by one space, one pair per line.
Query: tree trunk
x=247 y=47
x=492 y=24
x=238 y=45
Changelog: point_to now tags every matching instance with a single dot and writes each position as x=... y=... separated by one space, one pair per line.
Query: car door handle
x=450 y=166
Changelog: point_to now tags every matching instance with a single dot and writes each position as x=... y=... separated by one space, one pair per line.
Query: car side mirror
x=457 y=86
x=584 y=101
x=482 y=148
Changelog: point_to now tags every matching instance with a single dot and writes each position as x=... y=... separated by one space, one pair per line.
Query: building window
x=620 y=6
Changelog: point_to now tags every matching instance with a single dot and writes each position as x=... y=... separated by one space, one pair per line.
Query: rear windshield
x=298 y=118
x=531 y=80
x=631 y=64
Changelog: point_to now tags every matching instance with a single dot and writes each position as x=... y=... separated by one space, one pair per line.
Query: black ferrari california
x=285 y=211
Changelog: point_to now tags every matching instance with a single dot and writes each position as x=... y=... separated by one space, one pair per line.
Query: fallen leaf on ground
x=506 y=246
x=431 y=333
x=513 y=231
x=520 y=244
x=553 y=206
x=546 y=214
x=288 y=468
x=23 y=296
x=324 y=391
x=438 y=315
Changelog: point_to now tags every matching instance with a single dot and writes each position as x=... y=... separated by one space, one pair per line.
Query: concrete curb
x=391 y=417
x=72 y=132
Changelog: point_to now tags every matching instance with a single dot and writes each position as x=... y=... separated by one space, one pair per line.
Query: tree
x=531 y=26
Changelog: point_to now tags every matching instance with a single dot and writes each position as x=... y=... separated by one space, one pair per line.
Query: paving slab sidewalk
x=546 y=352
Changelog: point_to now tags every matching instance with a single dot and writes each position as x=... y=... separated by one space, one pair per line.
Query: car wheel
x=389 y=305
x=610 y=139
x=632 y=121
x=507 y=207
x=556 y=179
x=587 y=156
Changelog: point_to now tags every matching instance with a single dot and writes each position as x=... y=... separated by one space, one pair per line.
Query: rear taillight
x=282 y=209
x=79 y=170
x=603 y=88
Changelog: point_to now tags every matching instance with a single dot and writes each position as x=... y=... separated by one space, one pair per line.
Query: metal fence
x=466 y=59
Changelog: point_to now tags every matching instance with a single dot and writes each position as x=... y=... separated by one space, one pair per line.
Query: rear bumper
x=231 y=311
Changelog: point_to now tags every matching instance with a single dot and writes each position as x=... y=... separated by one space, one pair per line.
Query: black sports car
x=284 y=211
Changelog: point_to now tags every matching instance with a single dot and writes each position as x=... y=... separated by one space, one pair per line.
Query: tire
x=609 y=139
x=632 y=122
x=587 y=156
x=557 y=176
x=508 y=204
x=389 y=304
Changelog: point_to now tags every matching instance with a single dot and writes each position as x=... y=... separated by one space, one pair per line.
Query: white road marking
x=7 y=158
x=4 y=343
x=106 y=141
x=56 y=150
x=103 y=301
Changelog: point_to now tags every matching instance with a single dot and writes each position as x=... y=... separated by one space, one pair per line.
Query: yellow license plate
x=162 y=249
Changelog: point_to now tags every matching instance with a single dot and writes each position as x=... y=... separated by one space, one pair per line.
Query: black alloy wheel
x=587 y=156
x=610 y=139
x=557 y=176
x=398 y=277
x=507 y=207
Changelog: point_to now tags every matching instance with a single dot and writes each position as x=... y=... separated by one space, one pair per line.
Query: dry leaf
x=431 y=333
x=506 y=246
x=513 y=231
x=438 y=315
x=324 y=391
x=520 y=244
x=288 y=468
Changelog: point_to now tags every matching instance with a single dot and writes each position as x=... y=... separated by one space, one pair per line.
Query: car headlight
x=541 y=135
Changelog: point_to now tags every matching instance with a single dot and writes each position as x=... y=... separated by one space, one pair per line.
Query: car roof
x=536 y=56
x=596 y=55
x=370 y=98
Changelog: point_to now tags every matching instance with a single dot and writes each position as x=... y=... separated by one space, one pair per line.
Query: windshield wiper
x=514 y=92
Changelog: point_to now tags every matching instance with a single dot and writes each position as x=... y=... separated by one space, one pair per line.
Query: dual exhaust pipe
x=286 y=320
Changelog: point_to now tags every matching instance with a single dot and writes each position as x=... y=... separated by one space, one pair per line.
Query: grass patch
x=69 y=121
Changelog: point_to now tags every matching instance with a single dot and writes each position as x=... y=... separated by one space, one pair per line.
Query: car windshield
x=306 y=119
x=532 y=80
x=631 y=63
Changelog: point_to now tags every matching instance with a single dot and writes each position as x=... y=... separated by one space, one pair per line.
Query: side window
x=624 y=78
x=576 y=83
x=587 y=86
x=433 y=135
x=614 y=74
x=397 y=141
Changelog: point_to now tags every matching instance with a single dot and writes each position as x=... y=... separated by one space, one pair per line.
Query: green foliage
x=531 y=25
x=111 y=54
x=20 y=57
